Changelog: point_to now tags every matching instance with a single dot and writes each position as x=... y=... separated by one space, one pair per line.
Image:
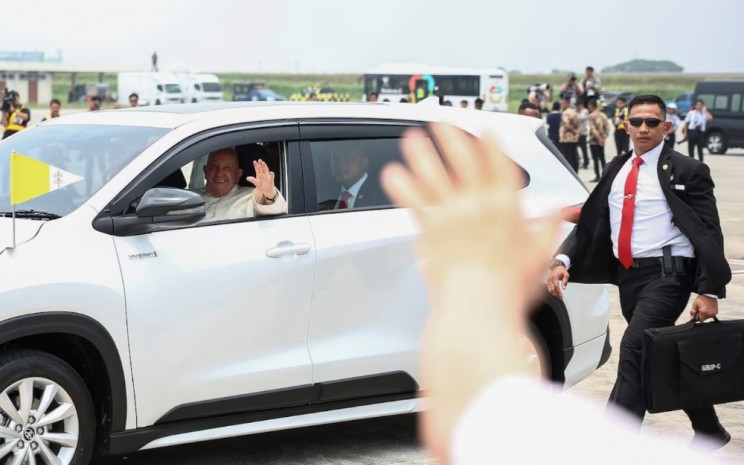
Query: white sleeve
x=279 y=206
x=564 y=258
x=518 y=420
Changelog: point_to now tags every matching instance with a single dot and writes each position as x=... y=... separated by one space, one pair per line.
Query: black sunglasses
x=650 y=122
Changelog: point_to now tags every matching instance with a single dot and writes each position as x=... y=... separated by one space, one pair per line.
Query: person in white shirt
x=671 y=116
x=583 y=132
x=224 y=200
x=694 y=128
x=483 y=405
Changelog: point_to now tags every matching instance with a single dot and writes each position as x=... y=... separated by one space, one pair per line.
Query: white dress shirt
x=517 y=420
x=238 y=203
x=353 y=190
x=696 y=120
x=652 y=219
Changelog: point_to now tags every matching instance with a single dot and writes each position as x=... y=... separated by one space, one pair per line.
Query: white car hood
x=25 y=230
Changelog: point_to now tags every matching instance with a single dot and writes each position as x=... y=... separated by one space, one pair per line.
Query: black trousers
x=670 y=140
x=570 y=152
x=649 y=300
x=622 y=141
x=598 y=155
x=584 y=152
x=695 y=138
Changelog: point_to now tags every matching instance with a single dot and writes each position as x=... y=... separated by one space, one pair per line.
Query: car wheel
x=193 y=100
x=715 y=142
x=535 y=348
x=46 y=411
x=157 y=102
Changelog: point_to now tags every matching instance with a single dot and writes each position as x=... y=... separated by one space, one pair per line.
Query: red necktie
x=626 y=225
x=343 y=204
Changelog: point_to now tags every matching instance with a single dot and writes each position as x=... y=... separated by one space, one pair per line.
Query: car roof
x=220 y=113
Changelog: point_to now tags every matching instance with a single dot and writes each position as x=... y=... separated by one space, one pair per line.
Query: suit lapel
x=665 y=171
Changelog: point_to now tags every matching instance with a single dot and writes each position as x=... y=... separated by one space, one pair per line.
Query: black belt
x=652 y=261
x=646 y=262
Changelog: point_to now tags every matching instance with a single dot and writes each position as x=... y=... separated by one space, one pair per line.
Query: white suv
x=127 y=324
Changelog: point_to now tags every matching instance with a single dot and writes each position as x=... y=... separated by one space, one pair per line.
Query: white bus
x=414 y=82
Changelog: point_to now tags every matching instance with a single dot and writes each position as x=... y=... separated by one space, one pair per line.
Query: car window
x=720 y=102
x=707 y=99
x=736 y=103
x=96 y=153
x=347 y=172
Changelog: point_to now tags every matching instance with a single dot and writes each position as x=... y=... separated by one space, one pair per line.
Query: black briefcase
x=693 y=365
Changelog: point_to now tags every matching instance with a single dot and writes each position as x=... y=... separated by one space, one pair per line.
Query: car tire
x=193 y=100
x=715 y=142
x=157 y=102
x=537 y=352
x=46 y=403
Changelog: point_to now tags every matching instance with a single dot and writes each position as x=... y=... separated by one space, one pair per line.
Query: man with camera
x=540 y=94
x=591 y=86
x=571 y=90
x=15 y=116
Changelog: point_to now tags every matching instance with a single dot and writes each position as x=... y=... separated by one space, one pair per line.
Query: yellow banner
x=29 y=178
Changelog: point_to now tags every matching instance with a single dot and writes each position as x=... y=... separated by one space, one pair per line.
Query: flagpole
x=14 y=242
x=13 y=221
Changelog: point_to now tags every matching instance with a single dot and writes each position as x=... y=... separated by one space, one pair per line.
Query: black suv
x=724 y=101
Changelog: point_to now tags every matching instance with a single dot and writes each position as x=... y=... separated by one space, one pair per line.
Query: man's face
x=699 y=106
x=565 y=104
x=95 y=105
x=589 y=73
x=621 y=104
x=133 y=101
x=373 y=98
x=54 y=108
x=348 y=167
x=222 y=172
x=644 y=137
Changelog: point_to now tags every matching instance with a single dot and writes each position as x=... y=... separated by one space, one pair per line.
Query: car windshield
x=212 y=87
x=94 y=152
x=172 y=88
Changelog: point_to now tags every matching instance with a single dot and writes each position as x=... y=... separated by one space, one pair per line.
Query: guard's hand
x=705 y=307
x=558 y=281
x=264 y=182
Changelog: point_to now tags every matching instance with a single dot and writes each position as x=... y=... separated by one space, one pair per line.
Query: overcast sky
x=354 y=35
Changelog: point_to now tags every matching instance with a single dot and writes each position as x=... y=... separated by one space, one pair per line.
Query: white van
x=152 y=88
x=200 y=87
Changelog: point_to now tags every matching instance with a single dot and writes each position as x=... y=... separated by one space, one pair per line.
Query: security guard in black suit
x=660 y=190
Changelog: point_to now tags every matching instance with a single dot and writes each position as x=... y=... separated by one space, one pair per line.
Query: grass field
x=666 y=86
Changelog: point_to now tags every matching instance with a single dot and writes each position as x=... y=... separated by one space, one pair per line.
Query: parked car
x=84 y=92
x=684 y=103
x=254 y=92
x=610 y=101
x=127 y=323
x=724 y=101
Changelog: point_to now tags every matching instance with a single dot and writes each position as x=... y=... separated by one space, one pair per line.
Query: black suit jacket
x=694 y=212
x=369 y=195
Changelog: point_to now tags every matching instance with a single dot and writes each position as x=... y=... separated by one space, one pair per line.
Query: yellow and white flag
x=30 y=178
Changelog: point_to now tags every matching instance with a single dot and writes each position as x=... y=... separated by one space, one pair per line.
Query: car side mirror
x=160 y=208
x=166 y=204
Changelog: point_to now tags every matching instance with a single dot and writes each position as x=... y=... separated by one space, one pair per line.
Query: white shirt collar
x=651 y=158
x=354 y=189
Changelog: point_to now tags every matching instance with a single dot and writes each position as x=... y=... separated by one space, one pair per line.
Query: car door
x=218 y=313
x=369 y=302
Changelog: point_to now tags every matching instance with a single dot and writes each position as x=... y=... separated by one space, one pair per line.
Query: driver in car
x=224 y=200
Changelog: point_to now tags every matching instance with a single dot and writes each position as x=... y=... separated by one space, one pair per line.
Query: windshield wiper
x=31 y=214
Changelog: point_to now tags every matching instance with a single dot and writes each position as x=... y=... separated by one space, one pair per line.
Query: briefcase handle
x=697 y=321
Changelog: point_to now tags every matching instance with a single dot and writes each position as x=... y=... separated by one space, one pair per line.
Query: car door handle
x=288 y=248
